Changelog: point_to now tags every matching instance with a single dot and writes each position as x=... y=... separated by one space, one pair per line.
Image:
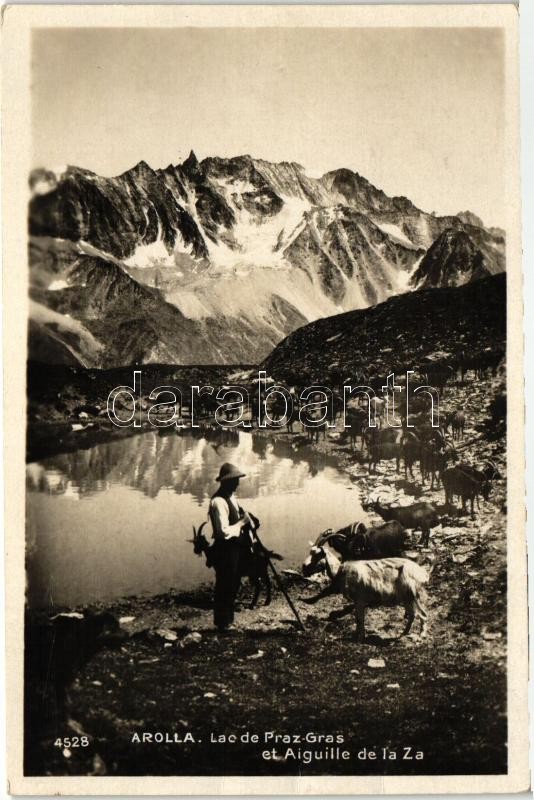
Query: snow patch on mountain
x=395 y=232
x=404 y=282
x=259 y=241
x=156 y=252
x=57 y=285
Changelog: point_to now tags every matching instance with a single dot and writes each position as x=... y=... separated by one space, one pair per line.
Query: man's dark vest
x=233 y=513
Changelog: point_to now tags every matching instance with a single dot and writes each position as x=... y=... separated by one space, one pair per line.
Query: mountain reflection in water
x=139 y=498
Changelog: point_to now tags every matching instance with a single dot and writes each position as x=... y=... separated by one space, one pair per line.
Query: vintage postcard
x=264 y=400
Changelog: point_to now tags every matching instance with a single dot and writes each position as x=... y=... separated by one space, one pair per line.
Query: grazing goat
x=480 y=361
x=422 y=516
x=456 y=421
x=390 y=442
x=384 y=452
x=313 y=430
x=411 y=451
x=356 y=424
x=386 y=435
x=356 y=541
x=384 y=582
x=468 y=483
x=253 y=562
x=434 y=459
x=292 y=417
x=438 y=375
x=380 y=541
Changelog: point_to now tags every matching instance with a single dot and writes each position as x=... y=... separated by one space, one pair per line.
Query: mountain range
x=217 y=261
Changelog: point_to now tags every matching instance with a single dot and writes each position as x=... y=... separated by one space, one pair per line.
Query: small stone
x=259 y=654
x=376 y=663
x=99 y=767
x=97 y=683
x=393 y=686
x=191 y=638
x=76 y=727
x=166 y=633
x=125 y=620
x=355 y=672
x=460 y=559
x=209 y=695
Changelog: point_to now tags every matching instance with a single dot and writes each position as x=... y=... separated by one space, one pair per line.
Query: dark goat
x=253 y=561
x=456 y=421
x=468 y=483
x=356 y=420
x=384 y=452
x=356 y=541
x=411 y=451
x=438 y=375
x=386 y=435
x=434 y=459
x=422 y=516
x=480 y=362
x=313 y=430
x=380 y=541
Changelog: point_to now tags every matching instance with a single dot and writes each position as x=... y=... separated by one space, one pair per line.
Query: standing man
x=228 y=521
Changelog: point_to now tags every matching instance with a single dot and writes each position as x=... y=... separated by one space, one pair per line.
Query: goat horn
x=332 y=534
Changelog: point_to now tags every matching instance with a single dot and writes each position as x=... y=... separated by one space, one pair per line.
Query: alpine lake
x=116 y=519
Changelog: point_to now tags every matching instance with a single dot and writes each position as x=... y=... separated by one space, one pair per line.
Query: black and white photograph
x=269 y=282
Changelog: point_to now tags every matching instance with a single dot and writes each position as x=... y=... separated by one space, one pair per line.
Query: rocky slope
x=401 y=333
x=455 y=259
x=87 y=310
x=220 y=259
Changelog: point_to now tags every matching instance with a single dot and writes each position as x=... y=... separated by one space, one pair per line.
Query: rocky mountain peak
x=453 y=260
x=191 y=163
x=141 y=171
x=470 y=219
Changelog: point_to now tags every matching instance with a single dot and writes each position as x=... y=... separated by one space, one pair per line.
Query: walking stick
x=278 y=580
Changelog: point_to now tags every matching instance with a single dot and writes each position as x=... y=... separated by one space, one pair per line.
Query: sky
x=418 y=112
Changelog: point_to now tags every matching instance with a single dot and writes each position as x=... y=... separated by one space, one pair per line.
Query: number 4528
x=72 y=741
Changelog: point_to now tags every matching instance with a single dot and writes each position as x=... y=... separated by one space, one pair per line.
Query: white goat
x=381 y=582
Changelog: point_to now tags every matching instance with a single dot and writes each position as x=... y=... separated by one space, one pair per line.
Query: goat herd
x=367 y=564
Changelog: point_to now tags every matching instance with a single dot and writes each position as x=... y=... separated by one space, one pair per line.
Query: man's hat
x=229 y=471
